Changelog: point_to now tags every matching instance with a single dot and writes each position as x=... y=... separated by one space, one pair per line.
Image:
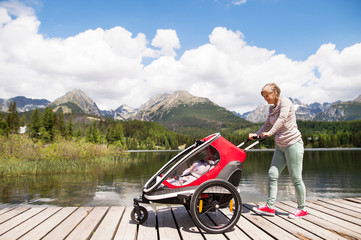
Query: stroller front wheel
x=216 y=206
x=141 y=216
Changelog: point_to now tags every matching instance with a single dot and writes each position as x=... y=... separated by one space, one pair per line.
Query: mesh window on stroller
x=195 y=167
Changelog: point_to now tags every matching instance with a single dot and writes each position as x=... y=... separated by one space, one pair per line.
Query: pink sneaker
x=265 y=210
x=298 y=214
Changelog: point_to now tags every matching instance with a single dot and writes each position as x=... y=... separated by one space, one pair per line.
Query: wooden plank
x=310 y=226
x=356 y=200
x=65 y=227
x=342 y=216
x=44 y=228
x=15 y=221
x=187 y=228
x=351 y=205
x=249 y=228
x=265 y=223
x=288 y=226
x=344 y=205
x=127 y=229
x=234 y=233
x=327 y=219
x=211 y=236
x=26 y=226
x=337 y=206
x=331 y=223
x=86 y=227
x=109 y=225
x=167 y=227
x=4 y=210
x=10 y=214
x=148 y=230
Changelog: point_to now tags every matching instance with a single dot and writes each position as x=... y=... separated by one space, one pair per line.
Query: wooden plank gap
x=355 y=200
x=176 y=223
x=306 y=223
x=64 y=229
x=186 y=225
x=49 y=224
x=86 y=227
x=19 y=219
x=265 y=223
x=4 y=210
x=120 y=219
x=329 y=222
x=13 y=213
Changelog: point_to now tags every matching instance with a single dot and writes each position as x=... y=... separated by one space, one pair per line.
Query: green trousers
x=292 y=157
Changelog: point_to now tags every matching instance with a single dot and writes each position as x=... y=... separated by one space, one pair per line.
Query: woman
x=281 y=122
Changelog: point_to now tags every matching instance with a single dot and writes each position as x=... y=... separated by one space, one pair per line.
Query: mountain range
x=23 y=104
x=181 y=111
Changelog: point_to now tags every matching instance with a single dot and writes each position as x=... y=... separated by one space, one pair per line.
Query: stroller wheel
x=140 y=217
x=216 y=206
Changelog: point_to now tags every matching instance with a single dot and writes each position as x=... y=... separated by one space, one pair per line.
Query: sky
x=126 y=51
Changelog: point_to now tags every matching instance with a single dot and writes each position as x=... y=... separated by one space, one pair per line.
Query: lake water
x=327 y=174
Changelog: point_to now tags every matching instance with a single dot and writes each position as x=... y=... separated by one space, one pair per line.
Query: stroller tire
x=142 y=217
x=216 y=206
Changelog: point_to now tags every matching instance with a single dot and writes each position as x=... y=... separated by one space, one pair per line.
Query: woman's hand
x=251 y=136
x=265 y=134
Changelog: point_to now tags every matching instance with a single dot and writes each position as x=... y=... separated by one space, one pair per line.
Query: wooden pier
x=327 y=219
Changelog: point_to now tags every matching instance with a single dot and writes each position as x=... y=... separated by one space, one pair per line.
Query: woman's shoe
x=298 y=214
x=265 y=210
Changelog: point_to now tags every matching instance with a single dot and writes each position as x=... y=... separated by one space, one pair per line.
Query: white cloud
x=239 y=2
x=167 y=40
x=108 y=66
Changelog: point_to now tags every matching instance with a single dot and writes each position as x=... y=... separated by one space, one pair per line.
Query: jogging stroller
x=204 y=178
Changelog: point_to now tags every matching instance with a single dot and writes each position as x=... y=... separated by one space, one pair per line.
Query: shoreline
x=258 y=150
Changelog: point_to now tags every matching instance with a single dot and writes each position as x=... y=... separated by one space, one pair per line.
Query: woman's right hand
x=251 y=136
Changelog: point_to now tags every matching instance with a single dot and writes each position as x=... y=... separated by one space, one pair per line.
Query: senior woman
x=281 y=122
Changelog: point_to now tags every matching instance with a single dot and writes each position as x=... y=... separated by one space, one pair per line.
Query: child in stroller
x=197 y=169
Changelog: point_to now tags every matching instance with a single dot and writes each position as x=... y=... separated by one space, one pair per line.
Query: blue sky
x=127 y=51
x=293 y=27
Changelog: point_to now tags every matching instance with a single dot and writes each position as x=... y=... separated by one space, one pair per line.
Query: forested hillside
x=46 y=126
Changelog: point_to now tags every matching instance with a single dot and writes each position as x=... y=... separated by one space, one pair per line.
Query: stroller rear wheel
x=139 y=217
x=216 y=206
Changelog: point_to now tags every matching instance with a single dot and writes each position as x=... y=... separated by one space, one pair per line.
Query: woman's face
x=270 y=97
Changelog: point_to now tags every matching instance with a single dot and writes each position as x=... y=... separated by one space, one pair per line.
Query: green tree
x=35 y=124
x=49 y=122
x=70 y=126
x=4 y=128
x=12 y=118
x=61 y=125
x=23 y=121
x=78 y=133
x=92 y=133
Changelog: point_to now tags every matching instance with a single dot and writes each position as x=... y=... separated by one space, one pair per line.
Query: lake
x=327 y=174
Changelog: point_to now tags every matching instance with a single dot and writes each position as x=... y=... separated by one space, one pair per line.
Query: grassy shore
x=19 y=155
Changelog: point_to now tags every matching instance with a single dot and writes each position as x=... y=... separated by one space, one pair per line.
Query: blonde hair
x=271 y=88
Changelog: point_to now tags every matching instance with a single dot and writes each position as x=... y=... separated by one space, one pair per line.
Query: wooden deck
x=327 y=219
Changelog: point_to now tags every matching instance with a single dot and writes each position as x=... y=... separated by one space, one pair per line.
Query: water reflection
x=330 y=174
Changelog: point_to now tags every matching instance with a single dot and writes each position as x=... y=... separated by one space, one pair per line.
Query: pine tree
x=12 y=118
x=92 y=133
x=70 y=127
x=48 y=122
x=35 y=124
x=4 y=128
x=23 y=121
x=61 y=125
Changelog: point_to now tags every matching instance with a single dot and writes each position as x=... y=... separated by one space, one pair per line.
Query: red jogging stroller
x=210 y=194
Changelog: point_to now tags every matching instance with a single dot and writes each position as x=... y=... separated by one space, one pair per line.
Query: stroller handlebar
x=258 y=138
